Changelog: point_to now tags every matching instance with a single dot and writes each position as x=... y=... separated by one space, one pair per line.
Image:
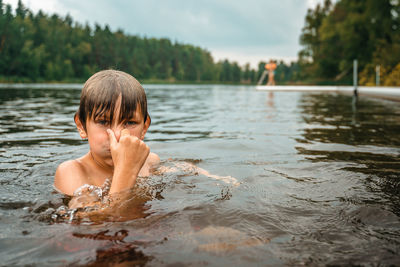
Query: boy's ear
x=146 y=127
x=80 y=127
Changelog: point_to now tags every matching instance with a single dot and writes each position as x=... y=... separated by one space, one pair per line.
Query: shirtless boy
x=113 y=116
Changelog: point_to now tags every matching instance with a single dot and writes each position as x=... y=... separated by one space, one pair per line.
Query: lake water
x=319 y=181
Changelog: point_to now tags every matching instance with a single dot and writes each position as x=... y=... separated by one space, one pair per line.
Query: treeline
x=42 y=48
x=45 y=48
x=336 y=34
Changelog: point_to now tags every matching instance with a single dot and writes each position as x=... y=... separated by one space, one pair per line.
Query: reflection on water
x=365 y=139
x=318 y=181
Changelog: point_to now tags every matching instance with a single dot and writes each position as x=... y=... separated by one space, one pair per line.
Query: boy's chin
x=109 y=161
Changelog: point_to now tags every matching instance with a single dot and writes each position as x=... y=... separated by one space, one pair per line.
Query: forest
x=336 y=34
x=49 y=48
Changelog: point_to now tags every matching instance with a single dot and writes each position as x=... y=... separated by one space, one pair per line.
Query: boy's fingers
x=125 y=132
x=111 y=136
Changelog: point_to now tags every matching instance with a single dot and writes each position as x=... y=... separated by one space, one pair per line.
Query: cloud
x=49 y=6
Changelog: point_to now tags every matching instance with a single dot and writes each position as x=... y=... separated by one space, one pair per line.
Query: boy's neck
x=101 y=167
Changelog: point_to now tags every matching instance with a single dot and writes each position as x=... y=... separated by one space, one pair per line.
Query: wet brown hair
x=100 y=94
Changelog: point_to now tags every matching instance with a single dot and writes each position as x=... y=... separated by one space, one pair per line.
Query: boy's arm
x=226 y=179
x=152 y=163
x=190 y=168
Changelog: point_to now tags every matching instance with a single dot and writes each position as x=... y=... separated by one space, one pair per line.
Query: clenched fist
x=129 y=155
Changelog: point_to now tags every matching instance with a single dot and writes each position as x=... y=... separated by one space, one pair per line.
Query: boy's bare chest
x=95 y=175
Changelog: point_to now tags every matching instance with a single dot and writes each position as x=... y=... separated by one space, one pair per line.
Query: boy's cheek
x=99 y=142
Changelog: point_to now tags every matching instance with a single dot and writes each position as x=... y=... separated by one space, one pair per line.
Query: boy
x=113 y=116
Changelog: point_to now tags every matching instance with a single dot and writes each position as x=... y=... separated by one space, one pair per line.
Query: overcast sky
x=240 y=30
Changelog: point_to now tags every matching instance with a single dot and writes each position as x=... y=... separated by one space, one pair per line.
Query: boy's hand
x=128 y=155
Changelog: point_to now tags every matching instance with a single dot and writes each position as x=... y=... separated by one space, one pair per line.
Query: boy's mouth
x=107 y=152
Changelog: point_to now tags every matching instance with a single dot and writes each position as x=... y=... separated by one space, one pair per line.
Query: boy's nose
x=117 y=131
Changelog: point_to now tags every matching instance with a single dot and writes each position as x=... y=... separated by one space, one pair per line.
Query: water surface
x=319 y=181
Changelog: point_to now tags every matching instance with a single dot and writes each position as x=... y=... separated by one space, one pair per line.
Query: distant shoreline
x=80 y=85
x=146 y=81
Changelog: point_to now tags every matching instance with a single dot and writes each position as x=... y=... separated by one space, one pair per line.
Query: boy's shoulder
x=152 y=162
x=153 y=159
x=69 y=176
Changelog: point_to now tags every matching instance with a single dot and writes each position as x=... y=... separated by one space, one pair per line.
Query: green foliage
x=393 y=79
x=41 y=47
x=335 y=35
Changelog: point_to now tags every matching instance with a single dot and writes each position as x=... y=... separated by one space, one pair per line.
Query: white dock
x=390 y=93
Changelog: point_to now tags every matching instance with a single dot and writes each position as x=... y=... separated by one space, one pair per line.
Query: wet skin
x=116 y=150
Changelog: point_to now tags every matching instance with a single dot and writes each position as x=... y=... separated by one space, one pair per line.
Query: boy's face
x=96 y=132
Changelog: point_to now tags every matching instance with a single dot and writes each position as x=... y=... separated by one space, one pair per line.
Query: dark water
x=319 y=181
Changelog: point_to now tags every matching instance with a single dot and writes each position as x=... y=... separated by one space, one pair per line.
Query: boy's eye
x=103 y=122
x=130 y=123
